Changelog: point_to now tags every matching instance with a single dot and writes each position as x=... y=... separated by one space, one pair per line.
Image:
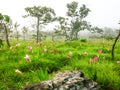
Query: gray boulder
x=68 y=80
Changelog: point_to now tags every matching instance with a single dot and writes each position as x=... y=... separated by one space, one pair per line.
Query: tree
x=77 y=16
x=113 y=46
x=5 y=24
x=24 y=31
x=16 y=25
x=96 y=30
x=109 y=33
x=62 y=28
x=43 y=16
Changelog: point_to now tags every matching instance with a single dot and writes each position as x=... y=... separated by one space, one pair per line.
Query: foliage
x=46 y=58
x=96 y=30
x=83 y=40
x=109 y=33
x=43 y=15
x=63 y=28
x=16 y=25
x=77 y=16
x=5 y=23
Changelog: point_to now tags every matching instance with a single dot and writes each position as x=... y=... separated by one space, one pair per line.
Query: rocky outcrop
x=68 y=80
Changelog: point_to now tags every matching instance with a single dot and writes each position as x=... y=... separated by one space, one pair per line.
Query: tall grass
x=50 y=57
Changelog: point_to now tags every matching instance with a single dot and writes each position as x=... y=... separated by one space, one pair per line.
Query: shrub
x=83 y=40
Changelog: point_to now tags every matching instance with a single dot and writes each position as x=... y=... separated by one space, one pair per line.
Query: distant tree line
x=68 y=27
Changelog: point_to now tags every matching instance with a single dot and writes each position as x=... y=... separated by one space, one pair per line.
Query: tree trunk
x=17 y=36
x=38 y=29
x=76 y=35
x=66 y=36
x=24 y=36
x=6 y=32
x=71 y=35
x=114 y=45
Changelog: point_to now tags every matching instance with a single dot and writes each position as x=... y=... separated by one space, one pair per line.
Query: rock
x=68 y=80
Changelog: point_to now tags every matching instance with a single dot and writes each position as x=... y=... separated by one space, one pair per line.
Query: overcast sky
x=104 y=13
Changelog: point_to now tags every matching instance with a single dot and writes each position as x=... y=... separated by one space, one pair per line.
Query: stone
x=67 y=80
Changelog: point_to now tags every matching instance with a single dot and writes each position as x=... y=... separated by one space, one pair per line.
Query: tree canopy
x=43 y=15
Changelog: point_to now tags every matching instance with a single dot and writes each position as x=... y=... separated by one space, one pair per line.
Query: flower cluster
x=95 y=59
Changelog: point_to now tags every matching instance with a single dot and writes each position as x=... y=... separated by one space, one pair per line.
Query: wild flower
x=29 y=48
x=45 y=49
x=18 y=45
x=18 y=71
x=100 y=51
x=11 y=48
x=37 y=44
x=118 y=62
x=91 y=60
x=85 y=53
x=53 y=51
x=95 y=59
x=70 y=53
x=51 y=47
x=27 y=58
x=68 y=57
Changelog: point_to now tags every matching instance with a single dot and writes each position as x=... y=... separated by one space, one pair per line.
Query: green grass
x=44 y=64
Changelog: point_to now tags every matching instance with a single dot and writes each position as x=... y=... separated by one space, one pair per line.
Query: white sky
x=104 y=13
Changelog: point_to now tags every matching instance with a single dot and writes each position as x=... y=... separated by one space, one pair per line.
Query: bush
x=83 y=40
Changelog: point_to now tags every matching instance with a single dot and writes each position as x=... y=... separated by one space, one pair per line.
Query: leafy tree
x=109 y=33
x=96 y=30
x=24 y=31
x=5 y=24
x=77 y=16
x=43 y=16
x=63 y=28
x=16 y=25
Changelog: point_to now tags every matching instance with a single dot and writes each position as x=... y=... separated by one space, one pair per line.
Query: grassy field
x=29 y=62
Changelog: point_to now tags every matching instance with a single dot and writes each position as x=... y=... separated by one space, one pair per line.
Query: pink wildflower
x=91 y=60
x=100 y=51
x=51 y=47
x=27 y=58
x=18 y=71
x=118 y=62
x=53 y=51
x=30 y=48
x=37 y=44
x=95 y=59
